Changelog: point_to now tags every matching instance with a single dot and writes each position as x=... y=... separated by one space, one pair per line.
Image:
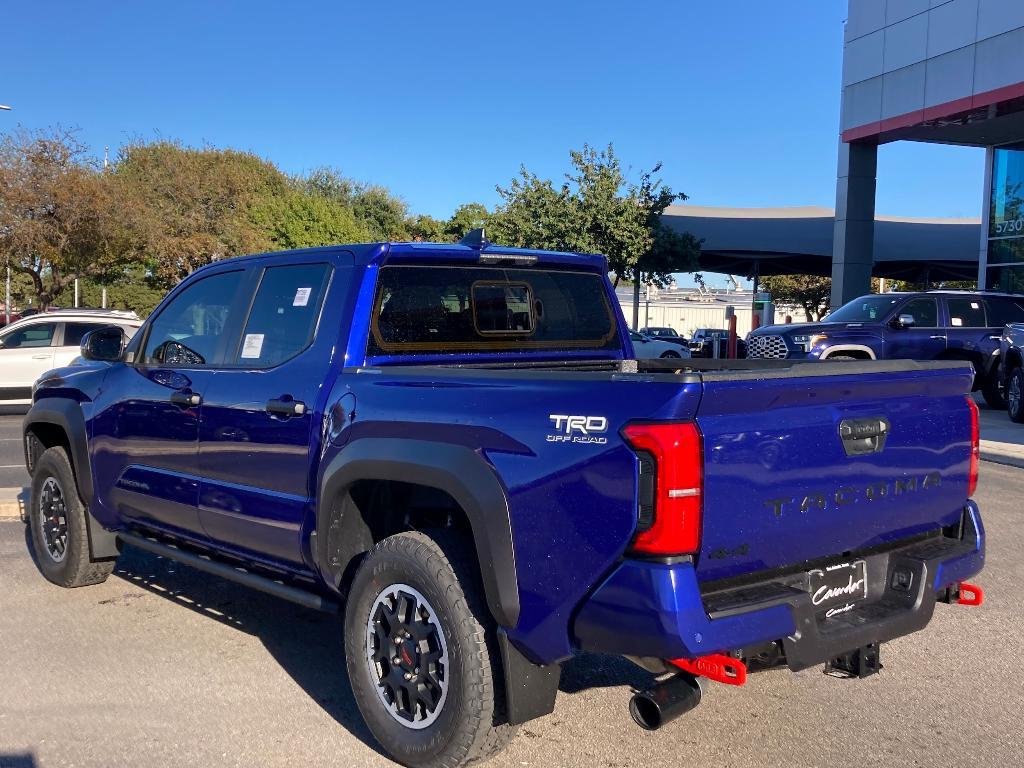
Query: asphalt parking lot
x=163 y=666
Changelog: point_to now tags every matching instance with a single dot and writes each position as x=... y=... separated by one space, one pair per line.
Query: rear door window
x=924 y=311
x=434 y=310
x=1004 y=310
x=284 y=314
x=73 y=332
x=29 y=336
x=966 y=312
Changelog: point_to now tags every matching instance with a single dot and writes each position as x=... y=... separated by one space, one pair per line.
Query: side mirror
x=904 y=321
x=104 y=344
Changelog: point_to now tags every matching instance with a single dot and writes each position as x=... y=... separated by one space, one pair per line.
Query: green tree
x=61 y=217
x=133 y=289
x=383 y=214
x=427 y=229
x=197 y=205
x=596 y=210
x=536 y=215
x=467 y=216
x=809 y=292
x=300 y=220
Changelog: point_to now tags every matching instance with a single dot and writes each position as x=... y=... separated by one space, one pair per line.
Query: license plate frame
x=837 y=588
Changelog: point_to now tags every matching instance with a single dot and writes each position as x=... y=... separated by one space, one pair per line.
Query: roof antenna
x=475 y=239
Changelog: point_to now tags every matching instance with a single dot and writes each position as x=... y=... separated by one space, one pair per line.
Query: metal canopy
x=788 y=241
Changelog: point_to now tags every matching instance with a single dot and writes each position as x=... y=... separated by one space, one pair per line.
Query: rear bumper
x=654 y=610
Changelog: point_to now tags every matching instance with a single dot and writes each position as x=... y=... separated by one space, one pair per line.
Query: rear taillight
x=670 y=502
x=972 y=477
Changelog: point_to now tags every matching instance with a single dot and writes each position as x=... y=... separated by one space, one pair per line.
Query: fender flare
x=840 y=348
x=67 y=414
x=457 y=470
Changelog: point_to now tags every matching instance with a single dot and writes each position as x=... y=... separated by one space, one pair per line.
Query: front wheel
x=993 y=391
x=58 y=525
x=1015 y=395
x=421 y=652
x=670 y=355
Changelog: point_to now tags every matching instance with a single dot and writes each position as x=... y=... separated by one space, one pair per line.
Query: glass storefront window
x=1008 y=251
x=1007 y=214
x=1006 y=279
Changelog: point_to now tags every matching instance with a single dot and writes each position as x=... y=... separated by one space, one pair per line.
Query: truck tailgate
x=783 y=487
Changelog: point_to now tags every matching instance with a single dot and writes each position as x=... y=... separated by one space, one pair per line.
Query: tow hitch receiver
x=860 y=663
x=969 y=594
x=717 y=667
x=962 y=593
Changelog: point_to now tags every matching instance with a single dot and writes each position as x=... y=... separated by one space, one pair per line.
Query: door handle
x=286 y=408
x=40 y=357
x=186 y=400
x=938 y=337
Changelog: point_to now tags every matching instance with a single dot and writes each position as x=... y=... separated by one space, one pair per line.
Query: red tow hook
x=721 y=669
x=969 y=594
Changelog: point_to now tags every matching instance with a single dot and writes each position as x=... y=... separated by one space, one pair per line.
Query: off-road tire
x=993 y=392
x=842 y=357
x=471 y=725
x=76 y=568
x=1015 y=406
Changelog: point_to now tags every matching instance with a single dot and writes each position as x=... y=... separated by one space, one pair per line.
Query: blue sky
x=442 y=101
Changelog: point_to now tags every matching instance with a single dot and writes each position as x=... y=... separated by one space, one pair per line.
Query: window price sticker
x=252 y=346
x=302 y=297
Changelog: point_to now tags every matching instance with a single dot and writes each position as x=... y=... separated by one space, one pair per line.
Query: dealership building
x=941 y=71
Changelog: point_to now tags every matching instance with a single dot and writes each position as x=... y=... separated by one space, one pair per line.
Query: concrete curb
x=1006 y=459
x=11 y=501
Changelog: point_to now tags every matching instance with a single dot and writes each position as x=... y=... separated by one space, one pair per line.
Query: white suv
x=33 y=345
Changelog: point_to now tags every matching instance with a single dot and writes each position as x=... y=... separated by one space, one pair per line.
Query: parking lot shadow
x=589 y=670
x=306 y=643
x=18 y=761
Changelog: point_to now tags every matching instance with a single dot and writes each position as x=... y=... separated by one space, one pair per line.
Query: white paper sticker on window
x=957 y=322
x=252 y=346
x=302 y=297
x=974 y=305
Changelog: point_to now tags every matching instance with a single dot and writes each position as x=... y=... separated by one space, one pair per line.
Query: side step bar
x=231 y=573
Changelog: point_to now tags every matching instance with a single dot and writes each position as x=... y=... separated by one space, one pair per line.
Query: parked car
x=671 y=335
x=702 y=343
x=648 y=348
x=454 y=445
x=1011 y=369
x=932 y=325
x=35 y=344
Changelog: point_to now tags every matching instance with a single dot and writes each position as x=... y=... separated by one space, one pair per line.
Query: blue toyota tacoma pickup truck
x=932 y=325
x=454 y=445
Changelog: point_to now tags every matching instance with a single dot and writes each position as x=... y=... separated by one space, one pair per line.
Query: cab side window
x=966 y=313
x=924 y=311
x=29 y=336
x=188 y=332
x=284 y=314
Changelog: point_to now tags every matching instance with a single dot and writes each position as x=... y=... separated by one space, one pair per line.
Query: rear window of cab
x=439 y=310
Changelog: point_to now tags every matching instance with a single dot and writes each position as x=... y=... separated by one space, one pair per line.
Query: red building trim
x=927 y=114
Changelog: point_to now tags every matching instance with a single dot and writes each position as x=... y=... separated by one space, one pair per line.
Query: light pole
x=7 y=297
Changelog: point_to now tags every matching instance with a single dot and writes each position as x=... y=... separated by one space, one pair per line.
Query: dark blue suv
x=936 y=325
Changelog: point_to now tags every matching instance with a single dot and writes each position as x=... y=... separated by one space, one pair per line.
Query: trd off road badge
x=578 y=429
